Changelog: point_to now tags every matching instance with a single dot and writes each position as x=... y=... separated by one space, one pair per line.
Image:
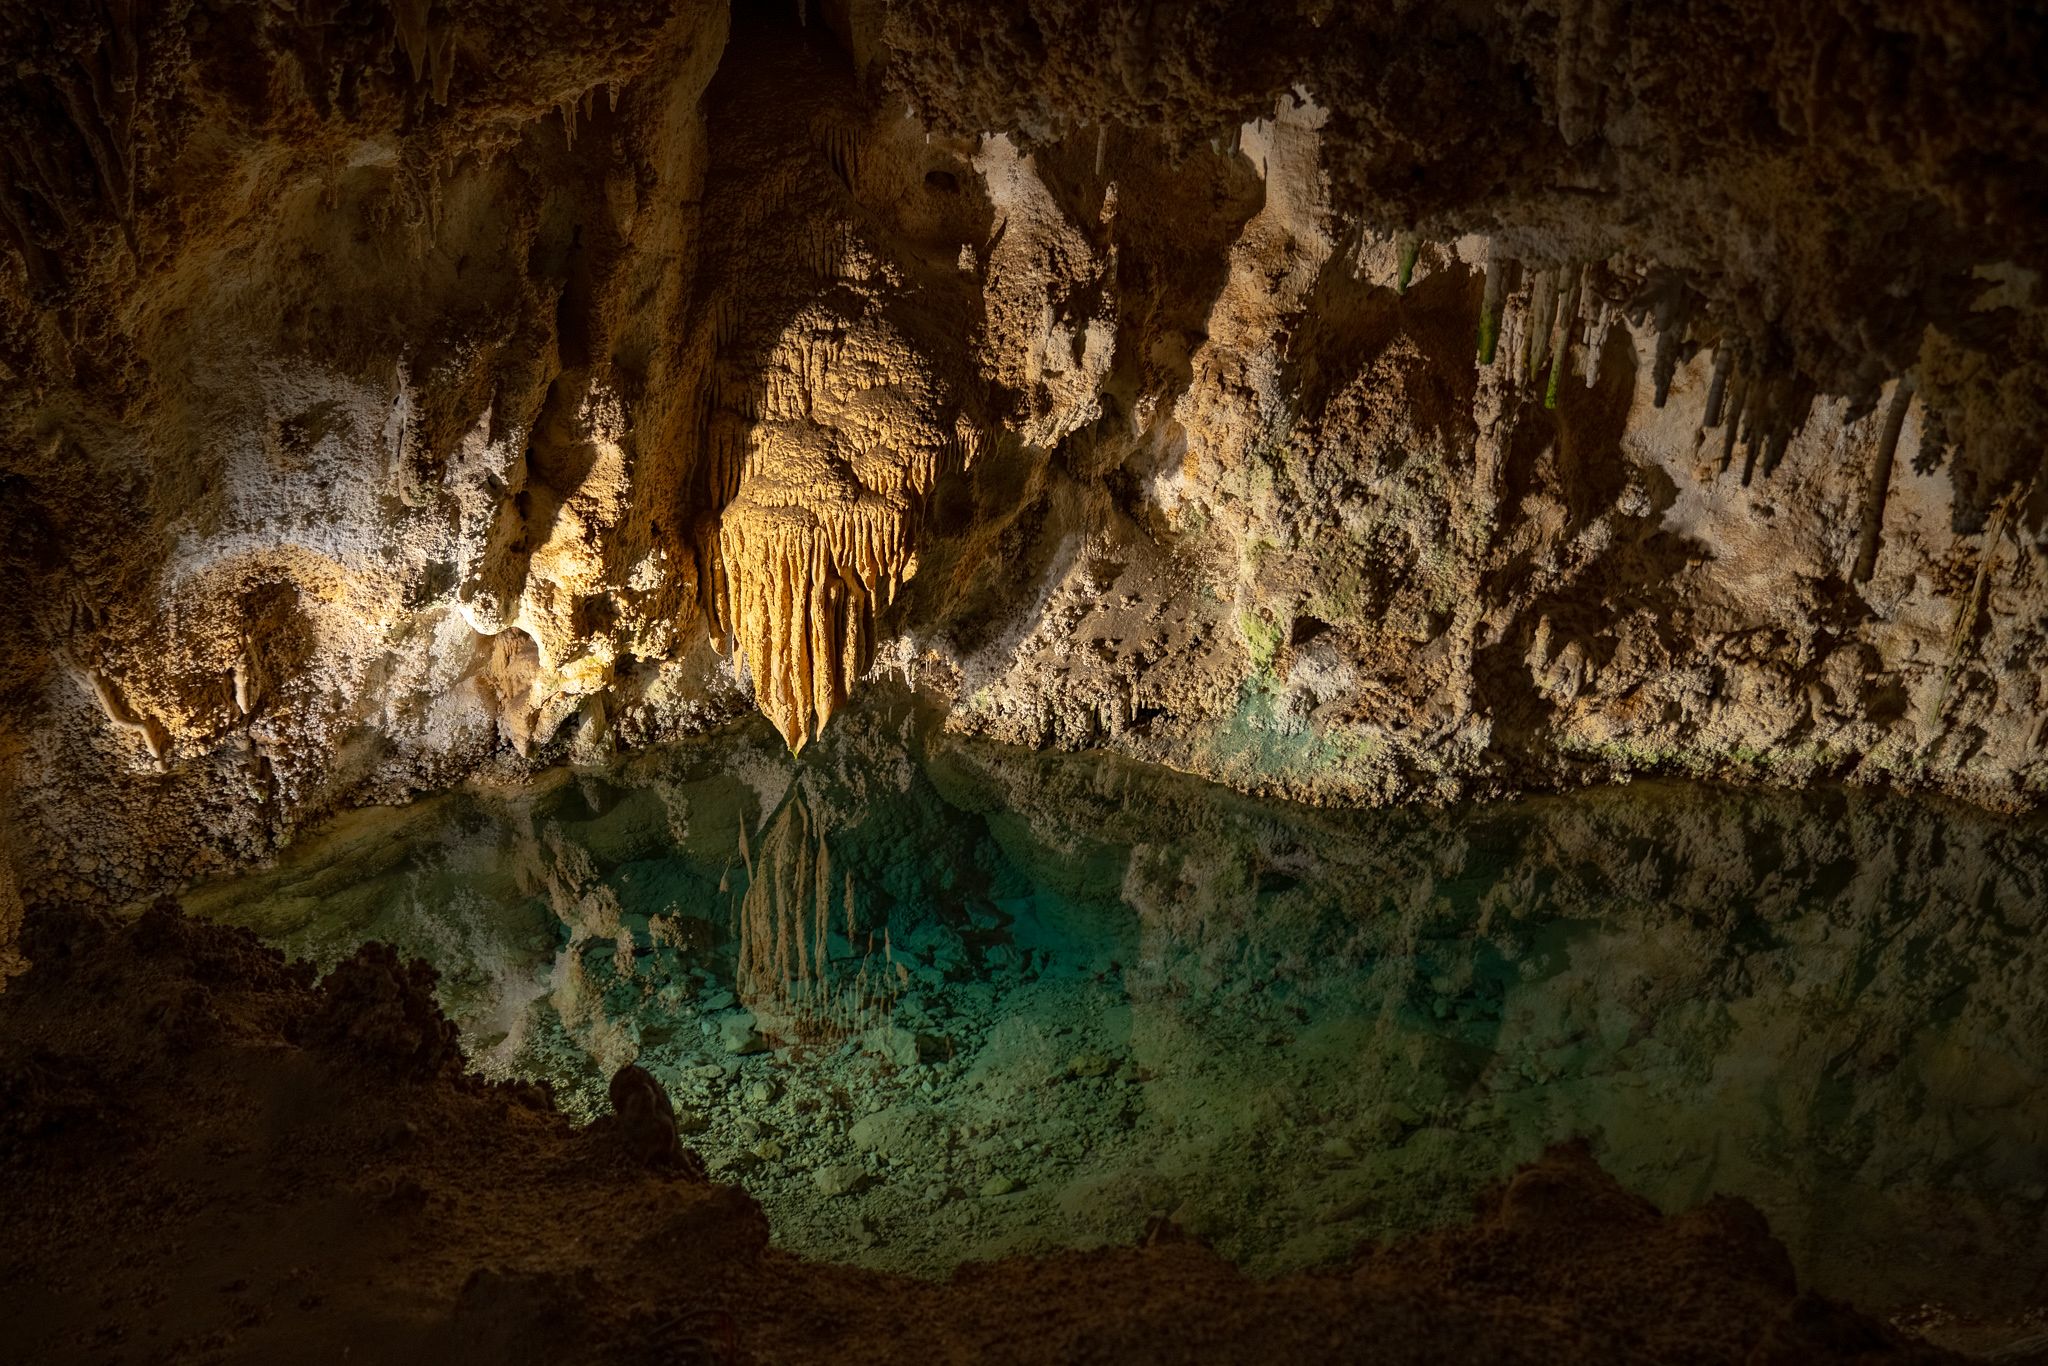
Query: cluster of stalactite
x=1550 y=329
x=788 y=975
x=98 y=108
x=817 y=533
x=1554 y=320
x=429 y=48
x=1542 y=323
x=797 y=597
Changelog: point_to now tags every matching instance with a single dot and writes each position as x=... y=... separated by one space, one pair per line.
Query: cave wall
x=1353 y=402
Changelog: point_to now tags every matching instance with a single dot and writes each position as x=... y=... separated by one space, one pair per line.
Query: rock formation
x=1356 y=402
x=1363 y=402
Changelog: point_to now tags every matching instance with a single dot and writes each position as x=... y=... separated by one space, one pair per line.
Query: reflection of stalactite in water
x=786 y=974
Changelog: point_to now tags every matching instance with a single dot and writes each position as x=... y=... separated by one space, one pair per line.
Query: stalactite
x=36 y=256
x=1568 y=321
x=1671 y=315
x=124 y=719
x=1490 y=306
x=441 y=58
x=1881 y=481
x=1738 y=401
x=1542 y=317
x=245 y=683
x=1597 y=343
x=430 y=53
x=803 y=591
x=841 y=147
x=1791 y=401
x=1971 y=608
x=786 y=974
x=1717 y=387
x=410 y=19
x=803 y=566
x=1762 y=412
x=1409 y=246
x=1933 y=440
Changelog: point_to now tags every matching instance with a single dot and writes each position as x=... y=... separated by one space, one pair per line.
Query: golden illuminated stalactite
x=787 y=975
x=799 y=595
x=824 y=462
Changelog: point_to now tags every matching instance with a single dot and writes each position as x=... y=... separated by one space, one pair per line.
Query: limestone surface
x=1359 y=402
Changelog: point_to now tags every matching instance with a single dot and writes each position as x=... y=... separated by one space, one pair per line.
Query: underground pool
x=933 y=1000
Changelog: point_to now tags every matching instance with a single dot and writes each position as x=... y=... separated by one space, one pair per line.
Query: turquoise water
x=934 y=1001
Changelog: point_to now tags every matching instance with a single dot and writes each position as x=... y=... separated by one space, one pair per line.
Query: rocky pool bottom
x=933 y=1001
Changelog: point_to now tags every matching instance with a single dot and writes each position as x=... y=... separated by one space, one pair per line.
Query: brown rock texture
x=204 y=1158
x=1361 y=402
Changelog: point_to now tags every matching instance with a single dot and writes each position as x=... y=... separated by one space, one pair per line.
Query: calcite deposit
x=1360 y=402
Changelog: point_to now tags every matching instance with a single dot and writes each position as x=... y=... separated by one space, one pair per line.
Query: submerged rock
x=737 y=1035
x=839 y=1178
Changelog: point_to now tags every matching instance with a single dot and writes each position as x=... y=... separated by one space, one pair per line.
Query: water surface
x=934 y=1001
